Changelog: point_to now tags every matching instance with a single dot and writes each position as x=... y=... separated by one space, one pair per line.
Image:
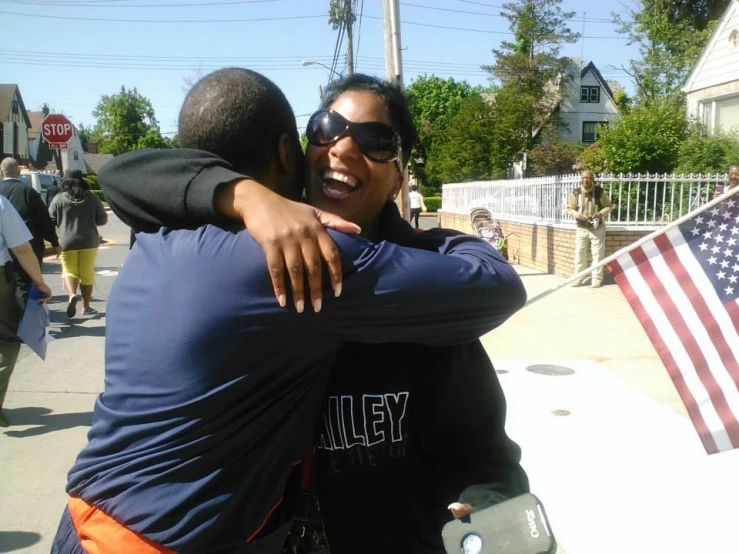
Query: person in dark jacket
x=211 y=398
x=395 y=446
x=34 y=212
x=78 y=213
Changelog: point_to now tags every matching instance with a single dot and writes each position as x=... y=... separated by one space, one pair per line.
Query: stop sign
x=57 y=130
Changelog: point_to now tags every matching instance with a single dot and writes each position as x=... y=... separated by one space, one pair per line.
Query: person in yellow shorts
x=78 y=213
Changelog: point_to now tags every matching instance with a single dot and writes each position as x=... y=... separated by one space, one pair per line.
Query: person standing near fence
x=733 y=181
x=588 y=205
x=417 y=205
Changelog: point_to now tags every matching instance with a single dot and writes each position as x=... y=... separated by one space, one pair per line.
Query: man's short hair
x=239 y=115
x=414 y=187
x=9 y=166
x=391 y=95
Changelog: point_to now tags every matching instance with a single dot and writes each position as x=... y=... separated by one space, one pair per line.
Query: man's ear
x=397 y=186
x=284 y=152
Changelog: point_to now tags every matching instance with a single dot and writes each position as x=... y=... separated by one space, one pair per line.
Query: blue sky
x=68 y=53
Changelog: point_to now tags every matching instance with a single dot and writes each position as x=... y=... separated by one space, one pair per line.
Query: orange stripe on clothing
x=101 y=534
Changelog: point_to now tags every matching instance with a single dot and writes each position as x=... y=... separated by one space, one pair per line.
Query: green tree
x=645 y=140
x=552 y=157
x=707 y=154
x=671 y=35
x=125 y=122
x=623 y=101
x=531 y=64
x=465 y=155
x=433 y=102
x=84 y=134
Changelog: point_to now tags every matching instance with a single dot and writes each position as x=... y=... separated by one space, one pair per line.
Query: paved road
x=50 y=406
x=607 y=447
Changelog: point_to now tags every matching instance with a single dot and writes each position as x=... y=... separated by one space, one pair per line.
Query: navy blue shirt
x=212 y=390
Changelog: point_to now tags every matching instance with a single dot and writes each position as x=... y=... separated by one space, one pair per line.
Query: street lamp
x=306 y=63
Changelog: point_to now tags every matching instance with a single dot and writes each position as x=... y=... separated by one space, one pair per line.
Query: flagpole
x=635 y=245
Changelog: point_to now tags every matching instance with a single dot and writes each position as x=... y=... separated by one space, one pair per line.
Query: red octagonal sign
x=57 y=130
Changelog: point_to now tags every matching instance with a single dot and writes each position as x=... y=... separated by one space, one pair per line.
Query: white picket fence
x=638 y=199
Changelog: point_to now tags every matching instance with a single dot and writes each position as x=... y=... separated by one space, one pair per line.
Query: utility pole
x=341 y=16
x=348 y=6
x=394 y=74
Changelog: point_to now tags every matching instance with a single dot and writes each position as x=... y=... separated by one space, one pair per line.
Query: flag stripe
x=685 y=327
x=683 y=285
x=733 y=310
x=720 y=330
x=627 y=278
x=692 y=321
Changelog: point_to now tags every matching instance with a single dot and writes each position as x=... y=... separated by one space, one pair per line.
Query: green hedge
x=433 y=203
x=92 y=181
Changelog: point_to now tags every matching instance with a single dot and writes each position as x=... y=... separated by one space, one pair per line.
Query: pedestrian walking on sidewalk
x=417 y=204
x=14 y=237
x=29 y=204
x=78 y=213
x=588 y=205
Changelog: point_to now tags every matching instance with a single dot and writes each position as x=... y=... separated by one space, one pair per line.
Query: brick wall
x=546 y=247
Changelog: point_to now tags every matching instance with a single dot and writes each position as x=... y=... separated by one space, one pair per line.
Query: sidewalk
x=605 y=439
x=584 y=324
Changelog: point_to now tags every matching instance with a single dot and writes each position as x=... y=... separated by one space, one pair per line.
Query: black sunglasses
x=378 y=141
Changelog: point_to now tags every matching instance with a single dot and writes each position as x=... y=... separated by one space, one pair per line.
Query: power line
x=406 y=22
x=592 y=19
x=82 y=3
x=290 y=60
x=109 y=20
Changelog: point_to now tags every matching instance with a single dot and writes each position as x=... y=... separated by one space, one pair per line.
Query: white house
x=712 y=89
x=580 y=103
x=586 y=102
x=71 y=157
x=14 y=124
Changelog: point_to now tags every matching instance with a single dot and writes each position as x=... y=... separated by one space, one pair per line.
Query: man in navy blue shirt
x=212 y=389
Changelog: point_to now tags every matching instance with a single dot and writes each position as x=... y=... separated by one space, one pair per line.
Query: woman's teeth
x=338 y=185
x=342 y=177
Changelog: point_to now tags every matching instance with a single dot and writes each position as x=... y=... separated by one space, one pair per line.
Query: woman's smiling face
x=342 y=180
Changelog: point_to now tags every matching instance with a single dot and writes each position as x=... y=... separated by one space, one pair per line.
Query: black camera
x=516 y=526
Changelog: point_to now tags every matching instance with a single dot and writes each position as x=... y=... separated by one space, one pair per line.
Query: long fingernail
x=337 y=290
x=300 y=306
x=317 y=303
x=282 y=299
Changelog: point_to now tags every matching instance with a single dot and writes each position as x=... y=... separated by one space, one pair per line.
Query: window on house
x=590 y=130
x=76 y=156
x=15 y=140
x=590 y=95
x=721 y=115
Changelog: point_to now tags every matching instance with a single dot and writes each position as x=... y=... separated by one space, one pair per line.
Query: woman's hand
x=293 y=236
x=460 y=510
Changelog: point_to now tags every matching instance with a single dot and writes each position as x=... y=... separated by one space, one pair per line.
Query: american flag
x=683 y=285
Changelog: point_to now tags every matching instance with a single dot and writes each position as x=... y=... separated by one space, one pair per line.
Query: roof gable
x=7 y=93
x=598 y=77
x=711 y=45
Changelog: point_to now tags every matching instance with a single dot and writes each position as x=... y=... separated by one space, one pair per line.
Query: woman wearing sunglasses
x=407 y=429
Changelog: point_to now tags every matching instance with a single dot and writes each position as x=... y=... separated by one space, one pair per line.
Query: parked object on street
x=46 y=184
x=487 y=227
